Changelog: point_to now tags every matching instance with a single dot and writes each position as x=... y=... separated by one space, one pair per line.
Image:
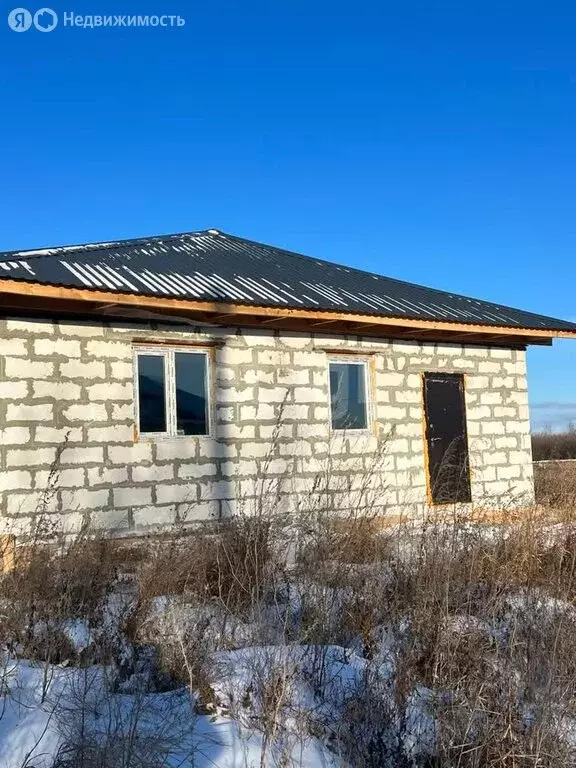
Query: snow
x=41 y=706
x=33 y=726
x=78 y=633
x=420 y=738
x=27 y=726
x=290 y=702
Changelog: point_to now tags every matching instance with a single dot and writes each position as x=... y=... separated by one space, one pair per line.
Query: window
x=446 y=438
x=348 y=395
x=172 y=388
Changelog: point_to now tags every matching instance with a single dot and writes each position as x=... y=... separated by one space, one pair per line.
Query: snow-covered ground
x=33 y=728
x=270 y=692
x=285 y=702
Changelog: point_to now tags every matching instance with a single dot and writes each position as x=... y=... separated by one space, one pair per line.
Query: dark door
x=446 y=436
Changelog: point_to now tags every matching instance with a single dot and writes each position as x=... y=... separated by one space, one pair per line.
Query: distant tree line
x=554 y=445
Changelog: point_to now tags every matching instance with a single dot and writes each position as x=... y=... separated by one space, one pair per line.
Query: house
x=166 y=380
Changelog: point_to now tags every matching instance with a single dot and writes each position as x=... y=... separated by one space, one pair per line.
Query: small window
x=348 y=395
x=172 y=392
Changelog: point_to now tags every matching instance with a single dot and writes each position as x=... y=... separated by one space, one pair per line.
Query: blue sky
x=430 y=141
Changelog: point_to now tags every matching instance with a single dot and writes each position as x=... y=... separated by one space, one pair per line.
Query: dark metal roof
x=214 y=266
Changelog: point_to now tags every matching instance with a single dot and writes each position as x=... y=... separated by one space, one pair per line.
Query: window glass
x=191 y=396
x=151 y=393
x=348 y=395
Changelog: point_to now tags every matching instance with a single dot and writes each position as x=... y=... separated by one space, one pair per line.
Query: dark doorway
x=448 y=466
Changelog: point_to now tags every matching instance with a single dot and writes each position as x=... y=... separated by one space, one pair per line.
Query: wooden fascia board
x=25 y=289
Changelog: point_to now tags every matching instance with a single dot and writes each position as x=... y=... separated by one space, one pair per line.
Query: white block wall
x=68 y=381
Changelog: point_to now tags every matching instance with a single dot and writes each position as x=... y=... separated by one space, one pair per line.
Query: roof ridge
x=34 y=253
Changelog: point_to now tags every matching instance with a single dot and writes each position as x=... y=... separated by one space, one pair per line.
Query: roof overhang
x=23 y=296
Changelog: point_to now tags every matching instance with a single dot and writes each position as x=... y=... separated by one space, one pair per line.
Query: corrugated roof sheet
x=214 y=266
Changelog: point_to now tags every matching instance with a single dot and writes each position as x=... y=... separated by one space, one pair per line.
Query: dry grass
x=227 y=564
x=477 y=617
x=554 y=445
x=555 y=485
x=54 y=584
x=355 y=540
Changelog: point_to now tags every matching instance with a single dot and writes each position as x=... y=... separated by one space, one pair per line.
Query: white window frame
x=169 y=353
x=365 y=363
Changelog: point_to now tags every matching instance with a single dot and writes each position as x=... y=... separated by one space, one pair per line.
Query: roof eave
x=24 y=295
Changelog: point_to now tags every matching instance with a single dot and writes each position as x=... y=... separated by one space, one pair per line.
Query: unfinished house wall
x=67 y=438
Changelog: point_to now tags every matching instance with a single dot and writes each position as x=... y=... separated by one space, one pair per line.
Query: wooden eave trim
x=25 y=289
